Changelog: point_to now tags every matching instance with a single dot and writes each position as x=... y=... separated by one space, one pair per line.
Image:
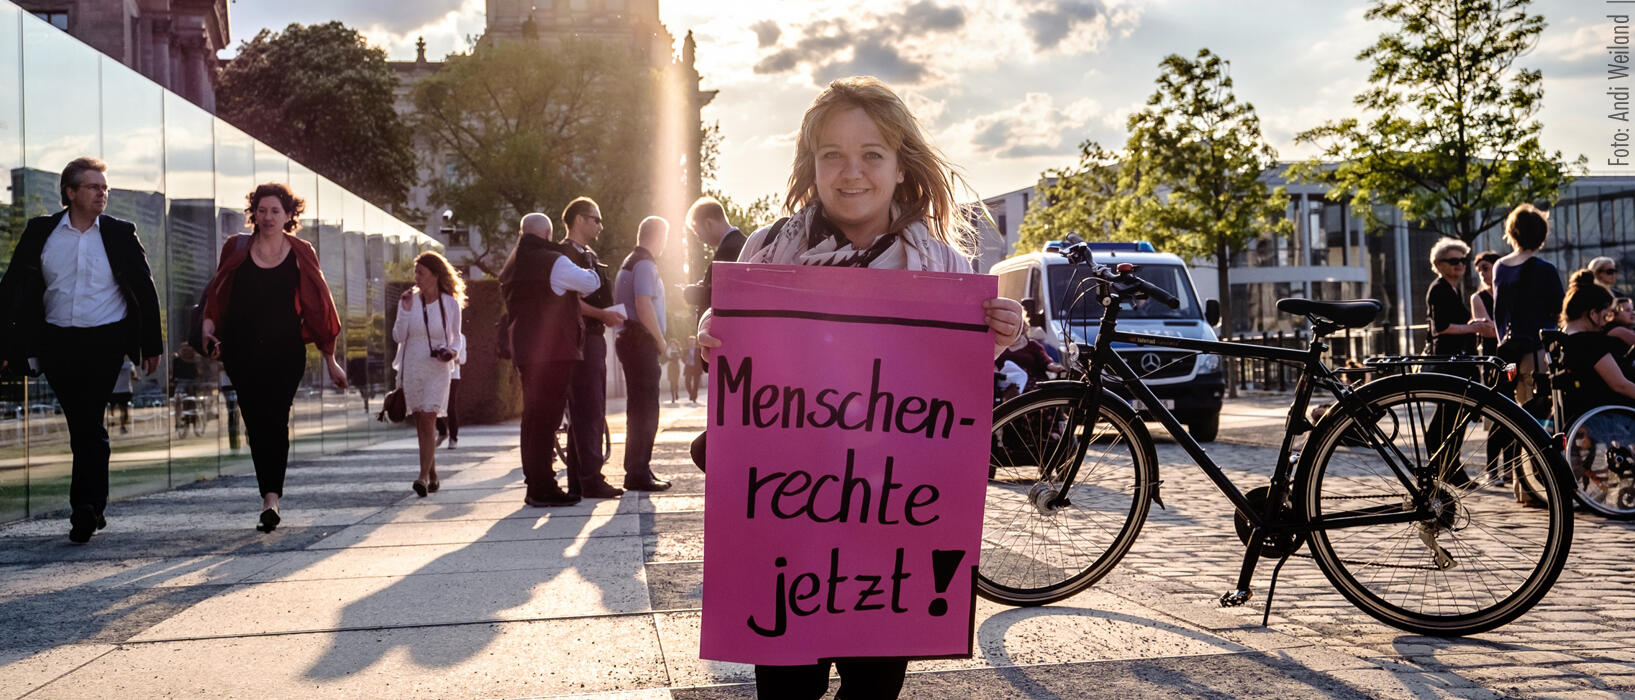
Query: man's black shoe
x=82 y=523
x=601 y=490
x=551 y=499
x=648 y=484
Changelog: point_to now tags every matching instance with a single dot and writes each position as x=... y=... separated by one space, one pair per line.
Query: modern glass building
x=182 y=176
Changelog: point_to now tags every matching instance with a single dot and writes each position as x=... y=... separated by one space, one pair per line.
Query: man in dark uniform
x=587 y=395
x=77 y=299
x=707 y=220
x=546 y=336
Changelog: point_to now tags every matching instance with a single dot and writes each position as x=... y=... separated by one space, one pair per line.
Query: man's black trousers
x=639 y=353
x=544 y=397
x=587 y=412
x=81 y=365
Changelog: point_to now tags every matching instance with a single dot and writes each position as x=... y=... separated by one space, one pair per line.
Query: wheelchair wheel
x=1601 y=454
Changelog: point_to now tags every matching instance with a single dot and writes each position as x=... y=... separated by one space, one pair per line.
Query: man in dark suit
x=78 y=299
x=546 y=336
x=587 y=398
x=707 y=221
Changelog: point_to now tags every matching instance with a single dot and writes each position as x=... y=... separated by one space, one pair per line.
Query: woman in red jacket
x=267 y=300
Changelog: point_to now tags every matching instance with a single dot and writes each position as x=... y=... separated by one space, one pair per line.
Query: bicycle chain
x=1368 y=563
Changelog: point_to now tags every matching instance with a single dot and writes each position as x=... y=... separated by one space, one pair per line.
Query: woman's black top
x=261 y=317
x=1445 y=308
x=1581 y=351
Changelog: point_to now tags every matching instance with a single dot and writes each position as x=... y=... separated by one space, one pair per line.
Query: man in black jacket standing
x=707 y=220
x=542 y=287
x=79 y=298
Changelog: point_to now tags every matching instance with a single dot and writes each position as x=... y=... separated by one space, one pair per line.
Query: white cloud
x=1033 y=127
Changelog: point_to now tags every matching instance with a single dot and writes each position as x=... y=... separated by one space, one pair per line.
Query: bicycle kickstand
x=1271 y=588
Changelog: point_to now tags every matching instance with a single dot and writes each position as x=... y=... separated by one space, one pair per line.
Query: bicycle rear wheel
x=1035 y=551
x=1601 y=456
x=1481 y=559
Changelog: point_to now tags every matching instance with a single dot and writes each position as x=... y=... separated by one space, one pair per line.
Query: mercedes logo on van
x=1150 y=362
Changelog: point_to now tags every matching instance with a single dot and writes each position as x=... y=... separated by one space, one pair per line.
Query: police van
x=1060 y=299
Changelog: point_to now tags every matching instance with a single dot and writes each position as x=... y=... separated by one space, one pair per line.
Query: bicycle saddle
x=1346 y=314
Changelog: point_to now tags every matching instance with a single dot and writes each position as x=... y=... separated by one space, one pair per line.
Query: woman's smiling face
x=857 y=173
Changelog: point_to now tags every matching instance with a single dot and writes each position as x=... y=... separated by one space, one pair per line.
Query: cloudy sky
x=1008 y=88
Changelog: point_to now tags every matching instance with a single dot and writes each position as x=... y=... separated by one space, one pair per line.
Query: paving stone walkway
x=368 y=591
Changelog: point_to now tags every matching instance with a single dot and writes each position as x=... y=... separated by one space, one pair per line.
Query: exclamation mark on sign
x=944 y=563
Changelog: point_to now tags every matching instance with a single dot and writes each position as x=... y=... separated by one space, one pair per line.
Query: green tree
x=1450 y=132
x=526 y=127
x=323 y=95
x=1192 y=169
x=1084 y=199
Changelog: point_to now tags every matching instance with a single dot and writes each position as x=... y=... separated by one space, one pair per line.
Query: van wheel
x=1204 y=427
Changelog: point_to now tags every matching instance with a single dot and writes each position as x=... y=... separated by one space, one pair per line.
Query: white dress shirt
x=568 y=277
x=80 y=291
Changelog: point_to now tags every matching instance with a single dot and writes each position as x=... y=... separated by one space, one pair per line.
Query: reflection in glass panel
x=355 y=320
x=270 y=165
x=372 y=382
x=190 y=261
x=13 y=400
x=335 y=209
x=133 y=128
x=306 y=414
x=235 y=178
x=62 y=125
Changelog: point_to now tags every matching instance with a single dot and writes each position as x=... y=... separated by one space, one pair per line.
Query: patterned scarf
x=809 y=239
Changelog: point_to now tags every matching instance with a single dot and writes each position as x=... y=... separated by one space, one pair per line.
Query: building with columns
x=172 y=42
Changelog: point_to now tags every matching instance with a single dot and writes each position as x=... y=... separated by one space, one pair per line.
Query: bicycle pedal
x=1235 y=598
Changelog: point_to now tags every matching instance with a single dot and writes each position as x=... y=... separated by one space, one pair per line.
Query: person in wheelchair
x=1591 y=356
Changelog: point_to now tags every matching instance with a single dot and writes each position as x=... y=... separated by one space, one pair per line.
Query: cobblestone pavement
x=370 y=591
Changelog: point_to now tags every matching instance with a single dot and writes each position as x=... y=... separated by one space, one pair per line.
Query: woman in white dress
x=428 y=335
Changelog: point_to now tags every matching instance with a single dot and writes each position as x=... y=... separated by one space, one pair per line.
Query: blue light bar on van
x=1108 y=246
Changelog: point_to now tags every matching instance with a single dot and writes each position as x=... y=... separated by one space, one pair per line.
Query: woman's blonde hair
x=1444 y=245
x=927 y=190
x=448 y=278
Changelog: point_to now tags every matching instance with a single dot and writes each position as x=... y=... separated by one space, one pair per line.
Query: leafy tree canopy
x=1084 y=199
x=526 y=127
x=1450 y=132
x=322 y=95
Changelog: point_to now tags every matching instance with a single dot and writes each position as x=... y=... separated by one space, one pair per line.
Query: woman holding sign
x=868 y=190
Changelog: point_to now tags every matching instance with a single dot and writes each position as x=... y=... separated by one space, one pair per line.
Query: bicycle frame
x=1315 y=373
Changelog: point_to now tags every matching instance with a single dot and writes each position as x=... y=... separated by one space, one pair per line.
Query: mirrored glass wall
x=181 y=176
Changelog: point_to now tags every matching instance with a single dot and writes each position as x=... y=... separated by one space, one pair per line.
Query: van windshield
x=1072 y=294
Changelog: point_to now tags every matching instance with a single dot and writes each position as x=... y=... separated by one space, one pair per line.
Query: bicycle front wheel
x=1039 y=544
x=1479 y=559
x=1601 y=455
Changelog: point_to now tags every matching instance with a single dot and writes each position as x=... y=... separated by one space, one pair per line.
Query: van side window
x=1013 y=284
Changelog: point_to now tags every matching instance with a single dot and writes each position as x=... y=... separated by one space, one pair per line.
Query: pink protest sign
x=849 y=420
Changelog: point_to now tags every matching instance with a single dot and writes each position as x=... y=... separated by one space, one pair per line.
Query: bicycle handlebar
x=1079 y=254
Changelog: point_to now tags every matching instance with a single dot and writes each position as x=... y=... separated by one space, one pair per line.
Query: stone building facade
x=172 y=42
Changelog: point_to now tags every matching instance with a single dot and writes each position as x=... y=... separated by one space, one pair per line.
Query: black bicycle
x=1394 y=490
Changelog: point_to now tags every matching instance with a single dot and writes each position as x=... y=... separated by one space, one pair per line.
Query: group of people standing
x=558 y=304
x=1521 y=294
x=78 y=299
